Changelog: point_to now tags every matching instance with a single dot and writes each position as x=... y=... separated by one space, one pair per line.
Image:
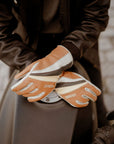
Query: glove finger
x=22 y=73
x=82 y=90
x=91 y=86
x=73 y=96
x=75 y=99
x=25 y=71
x=89 y=95
x=77 y=103
x=81 y=104
x=32 y=93
x=26 y=89
x=88 y=91
x=93 y=89
x=20 y=85
x=37 y=97
x=46 y=87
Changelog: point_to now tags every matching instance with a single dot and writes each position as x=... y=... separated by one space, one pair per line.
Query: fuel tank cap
x=51 y=98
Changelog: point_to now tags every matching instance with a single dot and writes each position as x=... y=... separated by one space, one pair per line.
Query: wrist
x=60 y=58
x=67 y=56
x=72 y=49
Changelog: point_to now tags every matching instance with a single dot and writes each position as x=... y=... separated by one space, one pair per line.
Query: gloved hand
x=39 y=78
x=76 y=90
x=104 y=135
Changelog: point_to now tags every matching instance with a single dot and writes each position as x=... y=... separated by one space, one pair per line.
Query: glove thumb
x=23 y=72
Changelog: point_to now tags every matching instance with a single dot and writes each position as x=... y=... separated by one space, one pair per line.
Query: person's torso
x=51 y=17
x=70 y=16
x=31 y=12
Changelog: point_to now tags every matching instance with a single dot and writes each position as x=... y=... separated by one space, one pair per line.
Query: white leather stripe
x=90 y=98
x=90 y=91
x=45 y=78
x=34 y=90
x=87 y=97
x=25 y=88
x=57 y=65
x=68 y=89
x=65 y=79
x=22 y=80
x=36 y=97
x=81 y=103
x=70 y=96
x=18 y=83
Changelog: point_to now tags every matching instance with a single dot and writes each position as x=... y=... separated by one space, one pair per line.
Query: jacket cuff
x=73 y=49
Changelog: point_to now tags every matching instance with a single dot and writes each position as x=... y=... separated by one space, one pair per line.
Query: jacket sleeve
x=94 y=20
x=13 y=51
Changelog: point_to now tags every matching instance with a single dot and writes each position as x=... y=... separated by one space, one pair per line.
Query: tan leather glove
x=76 y=90
x=39 y=78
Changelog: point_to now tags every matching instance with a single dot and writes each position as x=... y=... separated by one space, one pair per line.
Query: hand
x=39 y=78
x=76 y=90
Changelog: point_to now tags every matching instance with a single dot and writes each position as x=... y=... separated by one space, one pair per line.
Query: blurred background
x=106 y=52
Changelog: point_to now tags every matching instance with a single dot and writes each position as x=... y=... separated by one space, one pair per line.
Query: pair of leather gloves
x=47 y=74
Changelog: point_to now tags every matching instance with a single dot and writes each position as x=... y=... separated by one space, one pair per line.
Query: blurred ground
x=106 y=51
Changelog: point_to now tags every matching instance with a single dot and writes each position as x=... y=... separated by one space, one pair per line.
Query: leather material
x=76 y=90
x=82 y=30
x=39 y=78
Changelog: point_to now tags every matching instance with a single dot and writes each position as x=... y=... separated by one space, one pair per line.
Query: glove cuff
x=63 y=57
x=73 y=50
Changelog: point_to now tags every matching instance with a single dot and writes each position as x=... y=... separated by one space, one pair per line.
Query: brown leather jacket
x=83 y=21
